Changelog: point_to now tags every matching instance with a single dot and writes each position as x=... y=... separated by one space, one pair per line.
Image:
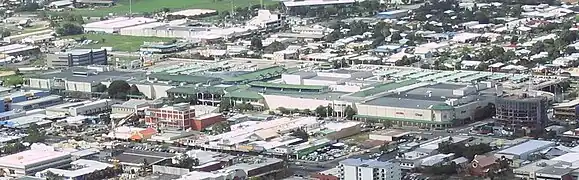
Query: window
x=11 y=171
x=399 y=112
x=418 y=114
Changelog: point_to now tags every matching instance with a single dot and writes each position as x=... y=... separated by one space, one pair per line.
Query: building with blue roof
x=395 y=14
x=362 y=169
x=523 y=150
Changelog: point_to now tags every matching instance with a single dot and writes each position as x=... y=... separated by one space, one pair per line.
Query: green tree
x=100 y=88
x=69 y=28
x=349 y=112
x=275 y=46
x=514 y=39
x=395 y=37
x=283 y=110
x=119 y=89
x=321 y=111
x=300 y=133
x=34 y=134
x=134 y=90
x=256 y=43
x=225 y=104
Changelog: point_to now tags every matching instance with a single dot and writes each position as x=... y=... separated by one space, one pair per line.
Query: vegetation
x=119 y=89
x=349 y=112
x=300 y=133
x=460 y=150
x=12 y=80
x=34 y=134
x=150 y=6
x=119 y=42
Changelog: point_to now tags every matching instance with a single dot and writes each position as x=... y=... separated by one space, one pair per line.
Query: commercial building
x=522 y=110
x=267 y=20
x=388 y=135
x=369 y=169
x=37 y=159
x=26 y=121
x=426 y=104
x=132 y=106
x=116 y=24
x=523 y=150
x=79 y=79
x=566 y=110
x=294 y=6
x=81 y=169
x=192 y=13
x=179 y=116
x=37 y=103
x=81 y=108
x=19 y=50
x=79 y=57
x=20 y=37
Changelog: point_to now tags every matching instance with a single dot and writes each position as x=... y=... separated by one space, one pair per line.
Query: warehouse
x=79 y=57
x=78 y=79
x=19 y=50
x=426 y=104
x=116 y=24
x=37 y=103
x=523 y=150
x=80 y=108
x=192 y=13
x=38 y=158
x=183 y=31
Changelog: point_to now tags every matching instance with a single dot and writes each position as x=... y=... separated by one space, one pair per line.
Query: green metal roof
x=286 y=86
x=183 y=78
x=244 y=94
x=384 y=87
x=441 y=106
x=193 y=90
x=257 y=75
x=378 y=118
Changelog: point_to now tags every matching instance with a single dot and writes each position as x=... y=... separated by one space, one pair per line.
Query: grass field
x=139 y=6
x=119 y=42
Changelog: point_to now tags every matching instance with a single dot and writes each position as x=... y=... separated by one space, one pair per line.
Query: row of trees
x=461 y=150
x=119 y=89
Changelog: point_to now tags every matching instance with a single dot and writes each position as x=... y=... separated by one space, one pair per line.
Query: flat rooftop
x=193 y=12
x=529 y=146
x=136 y=157
x=119 y=22
x=100 y=77
x=33 y=156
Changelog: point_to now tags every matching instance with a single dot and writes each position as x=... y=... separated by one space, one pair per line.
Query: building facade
x=360 y=169
x=522 y=110
x=80 y=57
x=32 y=161
x=179 y=116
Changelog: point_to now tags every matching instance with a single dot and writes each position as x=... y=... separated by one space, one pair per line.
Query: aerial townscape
x=289 y=90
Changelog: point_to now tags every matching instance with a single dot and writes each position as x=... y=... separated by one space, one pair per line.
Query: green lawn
x=139 y=6
x=119 y=42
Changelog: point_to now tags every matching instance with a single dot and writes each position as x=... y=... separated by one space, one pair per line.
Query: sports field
x=140 y=6
x=118 y=42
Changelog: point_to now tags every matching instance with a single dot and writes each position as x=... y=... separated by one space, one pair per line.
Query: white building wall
x=39 y=83
x=161 y=91
x=350 y=172
x=345 y=88
x=78 y=86
x=276 y=101
x=404 y=113
x=146 y=89
x=291 y=79
x=316 y=82
x=89 y=108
